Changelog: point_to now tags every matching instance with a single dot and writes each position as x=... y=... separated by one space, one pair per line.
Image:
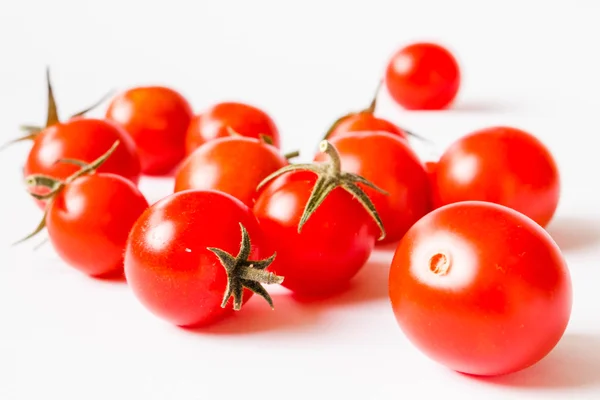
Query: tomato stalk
x=243 y=273
x=370 y=110
x=52 y=118
x=331 y=176
x=56 y=185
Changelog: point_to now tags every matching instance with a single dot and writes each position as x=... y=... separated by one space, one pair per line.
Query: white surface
x=64 y=336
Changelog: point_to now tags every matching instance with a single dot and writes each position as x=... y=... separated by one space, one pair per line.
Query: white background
x=532 y=64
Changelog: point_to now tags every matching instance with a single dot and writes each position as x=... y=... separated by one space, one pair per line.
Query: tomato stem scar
x=440 y=263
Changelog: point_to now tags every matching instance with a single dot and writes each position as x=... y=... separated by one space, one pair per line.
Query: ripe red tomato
x=480 y=288
x=387 y=161
x=157 y=119
x=173 y=267
x=83 y=139
x=234 y=165
x=218 y=120
x=318 y=255
x=423 y=76
x=501 y=165
x=89 y=220
x=364 y=122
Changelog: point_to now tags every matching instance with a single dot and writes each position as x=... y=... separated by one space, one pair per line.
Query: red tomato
x=83 y=139
x=480 y=288
x=169 y=263
x=318 y=255
x=387 y=161
x=88 y=221
x=364 y=122
x=423 y=76
x=234 y=165
x=218 y=120
x=501 y=165
x=157 y=119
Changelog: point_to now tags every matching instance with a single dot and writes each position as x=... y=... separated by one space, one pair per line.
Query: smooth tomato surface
x=333 y=245
x=157 y=119
x=388 y=162
x=244 y=119
x=168 y=265
x=423 y=76
x=84 y=139
x=501 y=165
x=89 y=220
x=234 y=165
x=364 y=122
x=480 y=288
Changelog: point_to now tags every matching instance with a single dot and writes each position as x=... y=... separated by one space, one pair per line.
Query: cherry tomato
x=157 y=119
x=387 y=161
x=480 y=288
x=83 y=139
x=501 y=165
x=364 y=122
x=89 y=220
x=171 y=263
x=218 y=120
x=317 y=252
x=423 y=76
x=234 y=165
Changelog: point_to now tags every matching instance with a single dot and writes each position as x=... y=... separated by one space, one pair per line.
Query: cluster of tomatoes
x=476 y=282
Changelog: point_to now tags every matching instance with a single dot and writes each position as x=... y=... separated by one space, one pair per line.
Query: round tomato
x=234 y=165
x=480 y=288
x=83 y=139
x=388 y=162
x=219 y=120
x=157 y=119
x=501 y=165
x=312 y=219
x=181 y=261
x=88 y=221
x=423 y=76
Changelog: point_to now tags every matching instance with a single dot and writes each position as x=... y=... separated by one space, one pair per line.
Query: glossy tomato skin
x=83 y=139
x=334 y=243
x=234 y=165
x=157 y=119
x=387 y=161
x=216 y=122
x=501 y=165
x=89 y=220
x=423 y=76
x=365 y=122
x=168 y=265
x=499 y=304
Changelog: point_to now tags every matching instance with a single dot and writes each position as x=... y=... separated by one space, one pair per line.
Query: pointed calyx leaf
x=243 y=273
x=52 y=117
x=329 y=177
x=56 y=185
x=94 y=105
x=373 y=104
